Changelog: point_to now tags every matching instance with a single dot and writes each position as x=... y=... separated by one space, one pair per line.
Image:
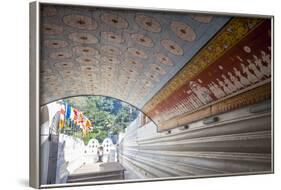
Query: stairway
x=97 y=172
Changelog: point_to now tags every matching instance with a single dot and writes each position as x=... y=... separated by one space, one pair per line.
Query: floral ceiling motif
x=126 y=54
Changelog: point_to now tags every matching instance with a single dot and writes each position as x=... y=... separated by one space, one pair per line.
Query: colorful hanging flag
x=81 y=120
x=88 y=124
x=68 y=111
x=62 y=116
x=72 y=114
x=75 y=116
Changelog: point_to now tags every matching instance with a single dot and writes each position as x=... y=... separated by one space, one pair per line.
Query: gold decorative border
x=250 y=97
x=230 y=35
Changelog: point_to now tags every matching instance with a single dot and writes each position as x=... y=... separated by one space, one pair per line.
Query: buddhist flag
x=62 y=116
x=75 y=116
x=72 y=114
x=88 y=124
x=81 y=120
x=68 y=111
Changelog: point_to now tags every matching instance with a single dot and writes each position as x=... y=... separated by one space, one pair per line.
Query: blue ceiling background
x=126 y=54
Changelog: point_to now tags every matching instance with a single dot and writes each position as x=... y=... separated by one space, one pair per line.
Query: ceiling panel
x=125 y=54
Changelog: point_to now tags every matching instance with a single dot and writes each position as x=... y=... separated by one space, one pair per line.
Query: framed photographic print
x=122 y=94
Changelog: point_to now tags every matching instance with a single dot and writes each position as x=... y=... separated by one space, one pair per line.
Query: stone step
x=97 y=172
x=96 y=177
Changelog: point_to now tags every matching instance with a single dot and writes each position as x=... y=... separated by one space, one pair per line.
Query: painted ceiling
x=175 y=67
x=126 y=54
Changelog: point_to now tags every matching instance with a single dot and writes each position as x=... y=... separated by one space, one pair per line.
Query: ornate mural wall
x=228 y=70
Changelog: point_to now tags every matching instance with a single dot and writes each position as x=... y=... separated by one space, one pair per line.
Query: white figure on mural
x=244 y=81
x=213 y=90
x=217 y=91
x=201 y=92
x=229 y=84
x=235 y=80
x=256 y=71
x=266 y=59
x=252 y=78
x=224 y=87
x=260 y=65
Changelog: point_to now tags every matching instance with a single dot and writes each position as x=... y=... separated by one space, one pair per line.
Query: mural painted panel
x=243 y=67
